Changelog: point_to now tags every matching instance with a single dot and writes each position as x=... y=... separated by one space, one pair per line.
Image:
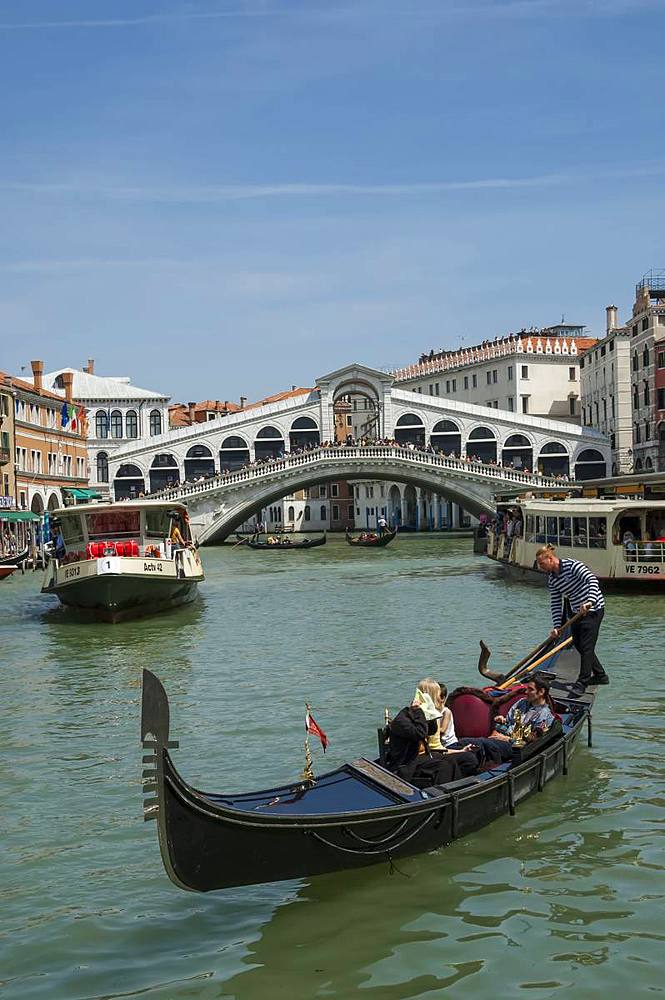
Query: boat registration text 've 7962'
x=118 y=561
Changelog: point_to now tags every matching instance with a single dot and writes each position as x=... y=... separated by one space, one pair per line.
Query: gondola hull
x=356 y=816
x=378 y=542
x=306 y=543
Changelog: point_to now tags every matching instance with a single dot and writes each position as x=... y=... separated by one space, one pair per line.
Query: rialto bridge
x=248 y=459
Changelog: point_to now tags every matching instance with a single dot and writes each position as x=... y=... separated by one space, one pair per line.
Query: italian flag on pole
x=312 y=728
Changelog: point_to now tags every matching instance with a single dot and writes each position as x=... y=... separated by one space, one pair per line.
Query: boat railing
x=645 y=552
x=397 y=453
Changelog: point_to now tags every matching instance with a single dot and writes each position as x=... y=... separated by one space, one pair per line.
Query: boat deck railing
x=646 y=552
x=401 y=455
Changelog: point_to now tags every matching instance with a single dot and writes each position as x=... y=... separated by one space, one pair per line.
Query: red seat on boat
x=472 y=715
x=135 y=548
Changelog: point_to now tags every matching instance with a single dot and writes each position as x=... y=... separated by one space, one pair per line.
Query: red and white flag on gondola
x=312 y=728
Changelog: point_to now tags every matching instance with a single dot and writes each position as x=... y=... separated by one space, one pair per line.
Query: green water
x=566 y=899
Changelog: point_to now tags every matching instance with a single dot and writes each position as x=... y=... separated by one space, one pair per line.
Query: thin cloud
x=511 y=8
x=217 y=194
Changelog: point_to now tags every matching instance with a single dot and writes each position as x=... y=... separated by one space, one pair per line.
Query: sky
x=224 y=198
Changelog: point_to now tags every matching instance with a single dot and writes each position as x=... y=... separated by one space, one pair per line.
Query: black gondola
x=357 y=815
x=284 y=544
x=371 y=539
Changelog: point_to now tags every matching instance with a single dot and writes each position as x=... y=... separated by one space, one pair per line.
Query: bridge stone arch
x=270 y=492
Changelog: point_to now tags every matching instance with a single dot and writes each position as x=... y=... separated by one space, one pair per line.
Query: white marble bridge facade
x=225 y=450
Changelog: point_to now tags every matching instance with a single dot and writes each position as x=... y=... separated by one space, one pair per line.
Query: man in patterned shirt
x=571 y=580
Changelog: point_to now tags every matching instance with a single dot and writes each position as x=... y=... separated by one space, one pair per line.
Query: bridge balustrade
x=346 y=452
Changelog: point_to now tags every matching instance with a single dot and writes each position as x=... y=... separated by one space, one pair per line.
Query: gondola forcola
x=356 y=815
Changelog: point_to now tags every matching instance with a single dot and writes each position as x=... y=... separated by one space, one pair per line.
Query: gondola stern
x=155 y=724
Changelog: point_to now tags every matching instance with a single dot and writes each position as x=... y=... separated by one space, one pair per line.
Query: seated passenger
x=447 y=724
x=535 y=713
x=415 y=751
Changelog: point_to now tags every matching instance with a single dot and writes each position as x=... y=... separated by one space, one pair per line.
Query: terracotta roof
x=278 y=396
x=179 y=412
x=25 y=386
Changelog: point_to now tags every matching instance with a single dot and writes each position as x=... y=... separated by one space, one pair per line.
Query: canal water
x=565 y=899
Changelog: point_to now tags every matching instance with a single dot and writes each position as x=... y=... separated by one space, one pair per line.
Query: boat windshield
x=71 y=528
x=157 y=522
x=114 y=524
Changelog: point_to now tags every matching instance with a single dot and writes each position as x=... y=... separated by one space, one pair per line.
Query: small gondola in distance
x=286 y=545
x=373 y=540
x=357 y=815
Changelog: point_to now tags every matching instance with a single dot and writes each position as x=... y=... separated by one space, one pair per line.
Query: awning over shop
x=81 y=494
x=18 y=515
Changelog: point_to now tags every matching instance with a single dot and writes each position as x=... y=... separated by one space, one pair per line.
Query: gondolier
x=571 y=580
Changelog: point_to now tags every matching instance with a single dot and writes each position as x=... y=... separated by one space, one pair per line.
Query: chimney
x=192 y=412
x=37 y=372
x=611 y=313
x=243 y=400
x=226 y=405
x=67 y=380
x=91 y=367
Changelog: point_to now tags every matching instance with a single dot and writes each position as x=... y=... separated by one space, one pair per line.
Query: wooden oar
x=485 y=654
x=242 y=541
x=517 y=678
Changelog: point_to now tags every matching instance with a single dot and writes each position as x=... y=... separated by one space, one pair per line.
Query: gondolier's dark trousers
x=585 y=636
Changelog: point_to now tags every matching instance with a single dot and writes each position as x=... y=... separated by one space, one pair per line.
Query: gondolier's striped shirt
x=576 y=582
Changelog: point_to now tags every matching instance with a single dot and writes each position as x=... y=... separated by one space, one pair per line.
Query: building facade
x=533 y=372
x=50 y=443
x=605 y=383
x=623 y=381
x=647 y=349
x=7 y=444
x=119 y=414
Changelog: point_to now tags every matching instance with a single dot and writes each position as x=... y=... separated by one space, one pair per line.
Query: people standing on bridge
x=571 y=580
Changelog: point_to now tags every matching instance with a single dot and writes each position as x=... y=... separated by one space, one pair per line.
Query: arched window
x=323 y=512
x=553 y=459
x=234 y=454
x=164 y=472
x=307 y=513
x=116 y=424
x=102 y=467
x=645 y=358
x=648 y=465
x=128 y=482
x=291 y=514
x=410 y=429
x=199 y=462
x=101 y=424
x=269 y=443
x=155 y=423
x=590 y=464
x=304 y=433
x=481 y=445
x=638 y=466
x=131 y=424
x=517 y=452
x=446 y=437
